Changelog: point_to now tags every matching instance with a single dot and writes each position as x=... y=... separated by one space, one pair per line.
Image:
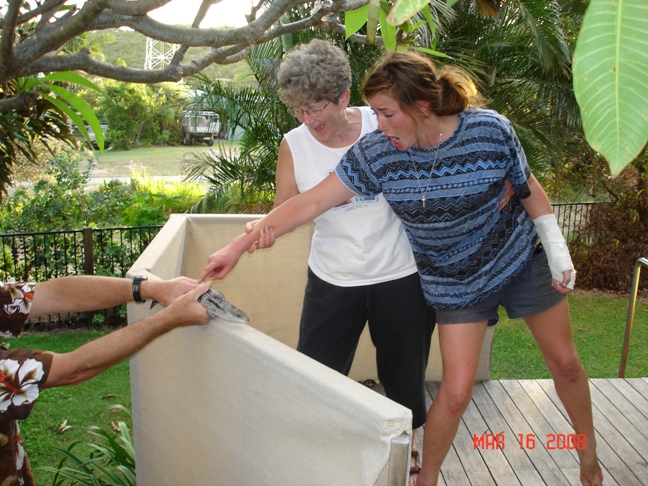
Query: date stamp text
x=531 y=441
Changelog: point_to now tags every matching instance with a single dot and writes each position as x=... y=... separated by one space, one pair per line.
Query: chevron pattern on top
x=466 y=250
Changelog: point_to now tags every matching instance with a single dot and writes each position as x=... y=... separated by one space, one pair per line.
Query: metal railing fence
x=35 y=257
x=572 y=216
x=112 y=251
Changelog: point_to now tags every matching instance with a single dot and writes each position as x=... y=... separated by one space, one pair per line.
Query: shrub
x=60 y=201
x=615 y=235
x=141 y=115
x=55 y=202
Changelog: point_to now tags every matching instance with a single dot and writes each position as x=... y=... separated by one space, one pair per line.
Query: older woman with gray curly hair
x=361 y=266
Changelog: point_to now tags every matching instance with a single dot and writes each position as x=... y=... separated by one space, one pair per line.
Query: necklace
x=416 y=171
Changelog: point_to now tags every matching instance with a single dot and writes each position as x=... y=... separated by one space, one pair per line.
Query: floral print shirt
x=22 y=374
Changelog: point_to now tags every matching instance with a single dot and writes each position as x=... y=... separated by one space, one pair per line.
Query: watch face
x=137 y=279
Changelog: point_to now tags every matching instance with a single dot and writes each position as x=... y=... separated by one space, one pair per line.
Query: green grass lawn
x=160 y=160
x=598 y=327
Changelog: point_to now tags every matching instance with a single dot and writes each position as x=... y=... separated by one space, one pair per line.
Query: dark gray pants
x=400 y=324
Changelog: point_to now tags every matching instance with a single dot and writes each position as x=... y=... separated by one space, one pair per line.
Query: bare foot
x=596 y=481
x=414 y=468
x=413 y=480
x=421 y=480
x=590 y=471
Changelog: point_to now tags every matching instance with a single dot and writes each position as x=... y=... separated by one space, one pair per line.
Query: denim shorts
x=528 y=294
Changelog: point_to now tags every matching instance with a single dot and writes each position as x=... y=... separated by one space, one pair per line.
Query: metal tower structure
x=158 y=53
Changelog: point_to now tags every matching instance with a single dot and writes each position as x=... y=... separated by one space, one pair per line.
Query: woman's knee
x=456 y=398
x=567 y=367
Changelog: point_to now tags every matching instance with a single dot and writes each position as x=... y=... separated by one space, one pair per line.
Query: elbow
x=65 y=372
x=59 y=379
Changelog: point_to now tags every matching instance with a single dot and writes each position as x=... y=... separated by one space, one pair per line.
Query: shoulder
x=486 y=122
x=15 y=304
x=366 y=111
x=368 y=118
x=298 y=131
x=27 y=371
x=485 y=116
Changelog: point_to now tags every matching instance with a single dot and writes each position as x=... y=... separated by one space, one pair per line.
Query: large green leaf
x=72 y=78
x=376 y=15
x=85 y=111
x=404 y=10
x=387 y=31
x=354 y=20
x=611 y=79
x=69 y=112
x=80 y=112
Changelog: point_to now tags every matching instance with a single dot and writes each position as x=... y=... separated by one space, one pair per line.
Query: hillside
x=129 y=47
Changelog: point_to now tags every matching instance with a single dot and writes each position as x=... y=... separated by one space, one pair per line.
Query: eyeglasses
x=312 y=112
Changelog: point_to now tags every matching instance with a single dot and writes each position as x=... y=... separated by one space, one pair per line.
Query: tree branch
x=8 y=35
x=39 y=53
x=137 y=7
x=13 y=104
x=41 y=10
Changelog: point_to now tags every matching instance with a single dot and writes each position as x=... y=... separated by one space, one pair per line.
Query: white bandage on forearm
x=555 y=247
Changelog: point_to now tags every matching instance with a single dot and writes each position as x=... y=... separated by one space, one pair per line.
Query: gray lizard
x=218 y=306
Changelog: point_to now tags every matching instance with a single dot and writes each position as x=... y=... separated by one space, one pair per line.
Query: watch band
x=137 y=280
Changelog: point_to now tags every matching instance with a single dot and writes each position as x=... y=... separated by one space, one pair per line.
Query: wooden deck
x=530 y=409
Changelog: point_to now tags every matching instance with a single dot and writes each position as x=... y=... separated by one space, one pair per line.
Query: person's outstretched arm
x=293 y=213
x=91 y=359
x=87 y=293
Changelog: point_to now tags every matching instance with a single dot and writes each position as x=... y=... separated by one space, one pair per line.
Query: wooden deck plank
x=558 y=422
x=516 y=457
x=472 y=461
x=553 y=431
x=557 y=416
x=541 y=460
x=615 y=471
x=545 y=434
x=639 y=384
x=624 y=428
x=513 y=407
x=620 y=461
x=528 y=478
x=493 y=458
x=558 y=419
x=627 y=408
x=638 y=401
x=603 y=448
x=452 y=470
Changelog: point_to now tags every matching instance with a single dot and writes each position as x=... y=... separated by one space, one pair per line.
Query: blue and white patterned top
x=465 y=249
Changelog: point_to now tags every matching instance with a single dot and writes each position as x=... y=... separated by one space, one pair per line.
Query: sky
x=227 y=12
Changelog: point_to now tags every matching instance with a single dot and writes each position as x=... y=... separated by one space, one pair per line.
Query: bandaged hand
x=556 y=249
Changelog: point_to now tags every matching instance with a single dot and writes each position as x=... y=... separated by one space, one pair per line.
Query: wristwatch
x=137 y=280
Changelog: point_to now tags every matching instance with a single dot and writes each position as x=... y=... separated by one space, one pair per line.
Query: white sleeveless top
x=360 y=242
